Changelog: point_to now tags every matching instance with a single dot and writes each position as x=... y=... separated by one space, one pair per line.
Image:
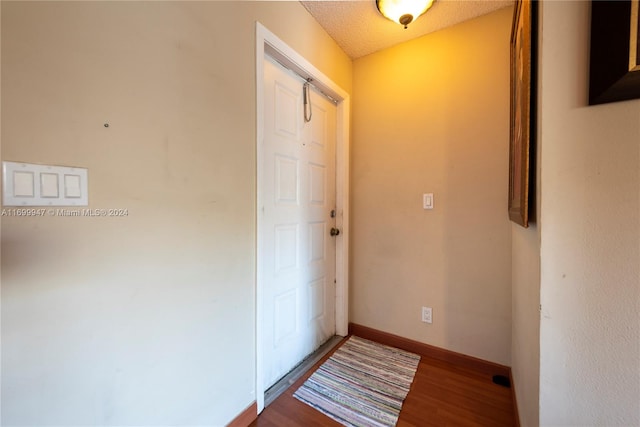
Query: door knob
x=334 y=231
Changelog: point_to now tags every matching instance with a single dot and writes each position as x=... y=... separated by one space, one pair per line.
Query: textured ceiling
x=359 y=29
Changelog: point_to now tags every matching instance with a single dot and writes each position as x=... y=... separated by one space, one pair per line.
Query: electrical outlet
x=427 y=315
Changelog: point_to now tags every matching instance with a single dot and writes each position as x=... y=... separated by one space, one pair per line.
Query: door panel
x=286 y=180
x=317 y=184
x=298 y=254
x=287 y=104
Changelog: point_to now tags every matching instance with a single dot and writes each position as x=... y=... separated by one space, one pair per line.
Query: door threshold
x=285 y=382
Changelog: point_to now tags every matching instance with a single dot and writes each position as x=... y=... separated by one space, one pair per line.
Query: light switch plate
x=427 y=201
x=28 y=184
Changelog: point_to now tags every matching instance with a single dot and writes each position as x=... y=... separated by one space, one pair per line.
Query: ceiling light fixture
x=403 y=12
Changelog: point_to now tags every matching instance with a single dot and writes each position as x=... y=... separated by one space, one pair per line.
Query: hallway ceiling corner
x=359 y=29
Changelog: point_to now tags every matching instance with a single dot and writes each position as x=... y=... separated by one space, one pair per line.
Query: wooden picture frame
x=614 y=70
x=522 y=123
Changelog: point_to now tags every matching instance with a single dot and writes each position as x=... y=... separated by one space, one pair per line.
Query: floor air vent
x=502 y=380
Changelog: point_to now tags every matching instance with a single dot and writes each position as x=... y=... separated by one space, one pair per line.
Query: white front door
x=297 y=252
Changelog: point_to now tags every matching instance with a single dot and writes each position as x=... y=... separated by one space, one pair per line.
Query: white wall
x=147 y=319
x=432 y=115
x=590 y=237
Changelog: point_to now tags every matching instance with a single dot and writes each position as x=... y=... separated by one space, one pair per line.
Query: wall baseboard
x=513 y=399
x=462 y=360
x=246 y=417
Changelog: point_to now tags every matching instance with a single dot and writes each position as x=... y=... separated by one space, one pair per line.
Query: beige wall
x=590 y=237
x=525 y=303
x=525 y=336
x=147 y=319
x=432 y=115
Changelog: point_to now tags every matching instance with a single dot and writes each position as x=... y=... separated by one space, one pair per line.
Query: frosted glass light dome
x=403 y=12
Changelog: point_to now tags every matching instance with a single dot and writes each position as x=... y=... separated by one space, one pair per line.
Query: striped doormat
x=362 y=384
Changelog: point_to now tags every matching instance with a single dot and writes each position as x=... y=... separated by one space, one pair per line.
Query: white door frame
x=269 y=43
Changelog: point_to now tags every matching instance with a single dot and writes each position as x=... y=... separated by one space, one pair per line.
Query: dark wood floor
x=442 y=394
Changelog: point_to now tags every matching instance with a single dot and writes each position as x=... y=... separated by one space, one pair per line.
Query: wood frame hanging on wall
x=614 y=72
x=523 y=107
